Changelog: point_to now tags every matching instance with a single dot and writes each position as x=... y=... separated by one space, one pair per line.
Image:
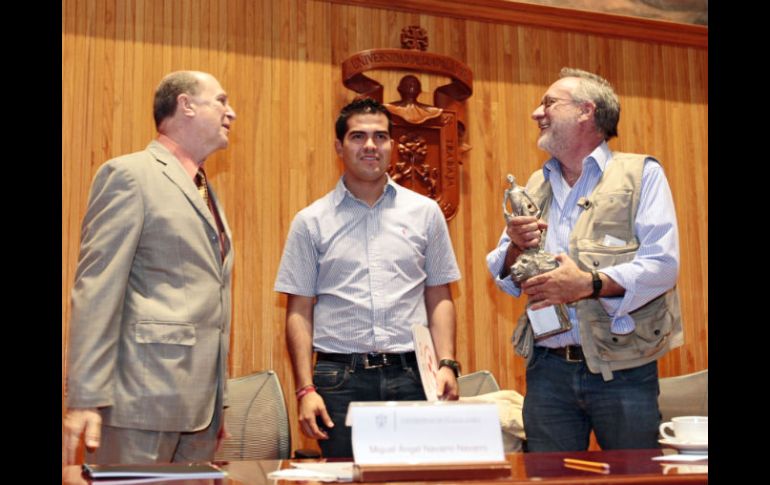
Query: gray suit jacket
x=150 y=327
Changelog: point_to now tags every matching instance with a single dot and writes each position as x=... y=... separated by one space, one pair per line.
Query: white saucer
x=685 y=447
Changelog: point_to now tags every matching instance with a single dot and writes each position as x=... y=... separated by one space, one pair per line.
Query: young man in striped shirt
x=362 y=265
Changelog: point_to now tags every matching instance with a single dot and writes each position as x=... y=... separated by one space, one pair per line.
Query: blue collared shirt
x=652 y=272
x=367 y=267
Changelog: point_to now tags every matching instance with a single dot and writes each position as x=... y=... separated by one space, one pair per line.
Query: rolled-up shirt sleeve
x=655 y=268
x=495 y=262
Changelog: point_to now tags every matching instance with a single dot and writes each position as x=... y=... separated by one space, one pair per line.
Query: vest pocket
x=659 y=325
x=654 y=323
x=611 y=234
x=613 y=206
x=610 y=346
x=592 y=255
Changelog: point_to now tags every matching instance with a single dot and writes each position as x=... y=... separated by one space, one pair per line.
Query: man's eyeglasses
x=549 y=101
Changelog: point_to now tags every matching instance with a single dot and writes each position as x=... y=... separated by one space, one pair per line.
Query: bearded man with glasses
x=611 y=222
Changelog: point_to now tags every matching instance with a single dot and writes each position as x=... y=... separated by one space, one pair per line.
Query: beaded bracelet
x=301 y=392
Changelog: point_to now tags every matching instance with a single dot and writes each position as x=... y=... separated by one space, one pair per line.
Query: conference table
x=626 y=467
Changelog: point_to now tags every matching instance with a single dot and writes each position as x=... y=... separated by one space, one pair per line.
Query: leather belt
x=570 y=353
x=372 y=360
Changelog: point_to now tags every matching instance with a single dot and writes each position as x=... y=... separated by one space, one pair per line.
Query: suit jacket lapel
x=174 y=171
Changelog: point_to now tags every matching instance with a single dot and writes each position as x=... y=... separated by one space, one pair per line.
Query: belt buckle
x=568 y=354
x=367 y=365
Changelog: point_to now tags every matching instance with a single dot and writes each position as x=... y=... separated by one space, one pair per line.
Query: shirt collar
x=189 y=165
x=601 y=156
x=340 y=191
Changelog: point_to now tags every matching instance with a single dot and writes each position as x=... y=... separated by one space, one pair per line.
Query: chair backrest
x=475 y=383
x=685 y=395
x=257 y=419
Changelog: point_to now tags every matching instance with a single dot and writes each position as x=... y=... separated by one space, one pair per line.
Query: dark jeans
x=339 y=384
x=564 y=401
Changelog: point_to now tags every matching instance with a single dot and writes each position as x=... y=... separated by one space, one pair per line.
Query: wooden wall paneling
x=300 y=175
x=121 y=74
x=475 y=211
x=573 y=20
x=698 y=249
x=67 y=195
x=279 y=61
x=243 y=63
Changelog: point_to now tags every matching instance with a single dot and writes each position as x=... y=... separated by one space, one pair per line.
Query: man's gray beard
x=552 y=144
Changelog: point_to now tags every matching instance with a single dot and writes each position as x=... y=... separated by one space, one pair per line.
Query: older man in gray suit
x=150 y=327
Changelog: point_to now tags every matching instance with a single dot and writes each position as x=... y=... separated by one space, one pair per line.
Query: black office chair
x=256 y=418
x=258 y=421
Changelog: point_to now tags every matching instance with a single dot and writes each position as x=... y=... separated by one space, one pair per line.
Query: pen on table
x=592 y=469
x=586 y=463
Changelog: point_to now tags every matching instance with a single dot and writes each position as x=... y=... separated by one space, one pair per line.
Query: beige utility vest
x=610 y=210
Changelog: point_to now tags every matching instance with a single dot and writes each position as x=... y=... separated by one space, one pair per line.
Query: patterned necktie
x=203 y=186
x=203 y=189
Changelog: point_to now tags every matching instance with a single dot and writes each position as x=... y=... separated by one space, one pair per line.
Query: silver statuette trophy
x=533 y=261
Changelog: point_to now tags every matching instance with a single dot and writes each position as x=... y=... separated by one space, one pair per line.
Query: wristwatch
x=453 y=364
x=597 y=282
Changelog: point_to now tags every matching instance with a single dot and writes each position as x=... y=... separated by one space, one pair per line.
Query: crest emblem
x=428 y=138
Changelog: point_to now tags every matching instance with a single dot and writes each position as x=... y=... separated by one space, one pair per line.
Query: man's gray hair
x=598 y=90
x=174 y=84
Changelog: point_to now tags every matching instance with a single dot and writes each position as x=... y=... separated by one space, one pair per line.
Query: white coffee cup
x=686 y=429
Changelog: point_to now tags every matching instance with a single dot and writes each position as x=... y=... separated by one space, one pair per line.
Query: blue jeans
x=339 y=384
x=565 y=401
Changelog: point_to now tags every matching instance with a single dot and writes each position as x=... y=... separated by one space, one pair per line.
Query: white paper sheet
x=687 y=457
x=322 y=472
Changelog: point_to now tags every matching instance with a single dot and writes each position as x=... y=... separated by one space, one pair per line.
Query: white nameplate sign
x=419 y=432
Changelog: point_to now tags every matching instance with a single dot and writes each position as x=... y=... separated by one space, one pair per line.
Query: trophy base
x=549 y=320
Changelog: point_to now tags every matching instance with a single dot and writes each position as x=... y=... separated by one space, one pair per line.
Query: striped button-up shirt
x=653 y=270
x=367 y=267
